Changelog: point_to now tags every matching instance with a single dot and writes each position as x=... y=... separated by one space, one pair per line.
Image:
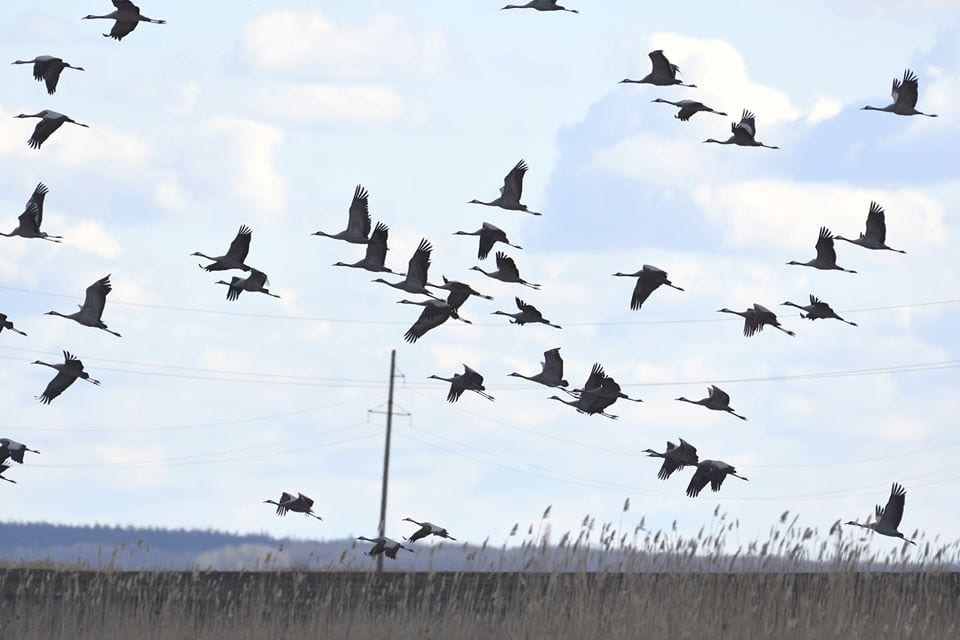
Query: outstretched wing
x=57 y=386
x=876 y=224
x=431 y=317
x=825 y=251
x=747 y=124
x=553 y=364
x=419 y=264
x=667 y=468
x=722 y=396
x=646 y=284
x=377 y=247
x=96 y=298
x=37 y=198
x=122 y=28
x=905 y=91
x=359 y=221
x=892 y=514
x=51 y=75
x=42 y=131
x=662 y=66
x=513 y=182
x=506 y=265
x=699 y=480
x=29 y=220
x=240 y=246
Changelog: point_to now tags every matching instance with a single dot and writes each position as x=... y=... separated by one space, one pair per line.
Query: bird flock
x=599 y=392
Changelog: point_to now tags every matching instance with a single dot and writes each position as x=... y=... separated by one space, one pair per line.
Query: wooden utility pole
x=386 y=457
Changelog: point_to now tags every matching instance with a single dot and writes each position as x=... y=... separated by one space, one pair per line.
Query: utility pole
x=386 y=457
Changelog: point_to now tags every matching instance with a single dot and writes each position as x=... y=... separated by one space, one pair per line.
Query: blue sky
x=273 y=115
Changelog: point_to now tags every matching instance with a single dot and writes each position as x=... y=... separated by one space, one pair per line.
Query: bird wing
x=240 y=246
x=234 y=289
x=51 y=76
x=471 y=376
x=359 y=221
x=44 y=129
x=257 y=279
x=422 y=532
x=96 y=298
x=876 y=223
x=125 y=5
x=419 y=264
x=122 y=28
x=29 y=220
x=646 y=284
x=716 y=392
x=825 y=251
x=553 y=364
x=506 y=265
x=892 y=514
x=905 y=91
x=667 y=468
x=286 y=497
x=596 y=377
x=699 y=480
x=689 y=450
x=456 y=299
x=431 y=317
x=662 y=66
x=513 y=181
x=57 y=386
x=456 y=389
x=377 y=247
x=38 y=197
x=304 y=500
x=488 y=238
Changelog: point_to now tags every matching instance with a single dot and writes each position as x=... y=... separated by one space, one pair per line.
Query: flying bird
x=126 y=18
x=511 y=191
x=674 y=458
x=384 y=545
x=875 y=236
x=299 y=504
x=743 y=133
x=889 y=517
x=236 y=253
x=688 y=108
x=358 y=221
x=50 y=121
x=826 y=259
x=755 y=318
x=256 y=282
x=817 y=310
x=551 y=370
x=506 y=271
x=427 y=529
x=32 y=217
x=528 y=314
x=663 y=73
x=47 y=69
x=459 y=292
x=13 y=450
x=649 y=278
x=599 y=392
x=8 y=324
x=376 y=255
x=92 y=308
x=415 y=280
x=540 y=5
x=469 y=380
x=67 y=373
x=489 y=235
x=712 y=472
x=904 y=93
x=717 y=399
x=435 y=313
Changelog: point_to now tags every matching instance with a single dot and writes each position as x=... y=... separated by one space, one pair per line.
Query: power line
x=364 y=383
x=275 y=316
x=186 y=427
x=630 y=454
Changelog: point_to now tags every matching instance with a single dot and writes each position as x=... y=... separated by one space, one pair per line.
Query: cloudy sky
x=270 y=113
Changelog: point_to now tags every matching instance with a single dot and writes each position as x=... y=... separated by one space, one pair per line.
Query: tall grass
x=602 y=582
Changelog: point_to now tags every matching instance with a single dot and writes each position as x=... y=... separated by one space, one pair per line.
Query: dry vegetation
x=658 y=585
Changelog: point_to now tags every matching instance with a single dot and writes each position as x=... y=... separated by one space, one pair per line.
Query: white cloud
x=787 y=214
x=249 y=171
x=823 y=109
x=330 y=103
x=719 y=71
x=90 y=237
x=308 y=44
